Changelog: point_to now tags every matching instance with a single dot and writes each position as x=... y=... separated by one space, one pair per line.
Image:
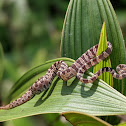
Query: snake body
x=60 y=68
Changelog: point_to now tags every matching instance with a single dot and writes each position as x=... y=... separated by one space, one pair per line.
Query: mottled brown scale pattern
x=26 y=97
x=60 y=68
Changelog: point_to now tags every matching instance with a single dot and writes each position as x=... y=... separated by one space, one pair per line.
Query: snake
x=78 y=68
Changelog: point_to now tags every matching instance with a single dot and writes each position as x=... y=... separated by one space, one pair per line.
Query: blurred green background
x=30 y=33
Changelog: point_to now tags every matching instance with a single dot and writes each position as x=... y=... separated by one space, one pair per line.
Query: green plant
x=98 y=99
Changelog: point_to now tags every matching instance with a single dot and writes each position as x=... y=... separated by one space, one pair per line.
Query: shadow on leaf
x=90 y=92
x=46 y=94
x=67 y=90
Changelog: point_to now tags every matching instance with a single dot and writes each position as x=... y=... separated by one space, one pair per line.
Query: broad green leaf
x=105 y=63
x=81 y=31
x=1 y=62
x=96 y=99
x=79 y=119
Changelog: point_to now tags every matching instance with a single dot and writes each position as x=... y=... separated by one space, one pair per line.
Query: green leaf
x=1 y=62
x=30 y=77
x=81 y=31
x=96 y=99
x=81 y=119
x=105 y=63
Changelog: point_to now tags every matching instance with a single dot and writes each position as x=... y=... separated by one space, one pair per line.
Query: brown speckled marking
x=60 y=68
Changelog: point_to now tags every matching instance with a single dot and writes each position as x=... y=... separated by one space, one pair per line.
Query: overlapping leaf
x=81 y=31
x=95 y=99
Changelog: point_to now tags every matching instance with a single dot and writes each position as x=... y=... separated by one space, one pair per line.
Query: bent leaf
x=96 y=99
x=79 y=119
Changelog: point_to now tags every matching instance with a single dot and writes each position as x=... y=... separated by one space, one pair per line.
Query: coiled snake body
x=60 y=68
